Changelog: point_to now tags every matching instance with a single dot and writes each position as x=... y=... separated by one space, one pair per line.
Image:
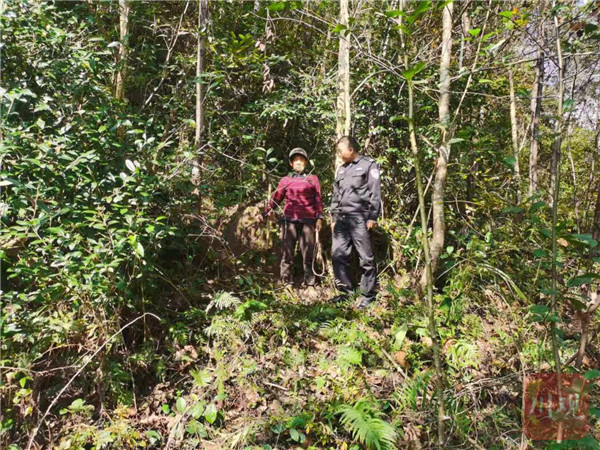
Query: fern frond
x=349 y=356
x=223 y=300
x=365 y=425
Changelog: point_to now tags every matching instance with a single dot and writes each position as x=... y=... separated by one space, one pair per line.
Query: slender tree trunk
x=464 y=52
x=439 y=378
x=122 y=58
x=428 y=272
x=514 y=134
x=343 y=101
x=558 y=128
x=441 y=166
x=556 y=150
x=122 y=54
x=596 y=224
x=536 y=110
x=200 y=62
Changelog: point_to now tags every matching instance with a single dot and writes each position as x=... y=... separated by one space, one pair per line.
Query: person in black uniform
x=355 y=209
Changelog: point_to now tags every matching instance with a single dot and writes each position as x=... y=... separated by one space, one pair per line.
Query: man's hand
x=371 y=224
x=266 y=215
x=319 y=225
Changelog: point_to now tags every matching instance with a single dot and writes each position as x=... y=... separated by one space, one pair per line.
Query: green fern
x=349 y=356
x=363 y=421
x=223 y=300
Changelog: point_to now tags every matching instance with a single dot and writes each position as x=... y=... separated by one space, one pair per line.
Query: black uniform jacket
x=357 y=189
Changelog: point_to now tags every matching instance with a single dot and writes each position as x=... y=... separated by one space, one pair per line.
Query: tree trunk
x=343 y=100
x=558 y=128
x=596 y=225
x=555 y=175
x=441 y=166
x=428 y=272
x=197 y=161
x=514 y=134
x=536 y=110
x=122 y=59
x=122 y=54
x=465 y=50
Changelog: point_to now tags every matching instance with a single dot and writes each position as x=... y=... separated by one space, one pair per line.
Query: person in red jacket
x=302 y=215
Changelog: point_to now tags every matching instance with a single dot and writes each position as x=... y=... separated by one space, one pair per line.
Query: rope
x=318 y=255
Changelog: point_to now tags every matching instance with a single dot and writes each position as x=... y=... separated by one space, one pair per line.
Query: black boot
x=339 y=299
x=364 y=302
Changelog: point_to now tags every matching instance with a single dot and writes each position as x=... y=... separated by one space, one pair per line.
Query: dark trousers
x=304 y=234
x=351 y=231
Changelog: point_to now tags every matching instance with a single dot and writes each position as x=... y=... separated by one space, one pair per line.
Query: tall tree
x=343 y=116
x=200 y=63
x=122 y=54
x=536 y=110
x=514 y=133
x=441 y=165
x=555 y=190
x=596 y=223
x=428 y=272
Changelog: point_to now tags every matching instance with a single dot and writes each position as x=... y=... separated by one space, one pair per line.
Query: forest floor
x=278 y=366
x=257 y=366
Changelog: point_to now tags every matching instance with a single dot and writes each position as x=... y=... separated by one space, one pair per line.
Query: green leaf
x=568 y=104
x=591 y=374
x=595 y=412
x=540 y=253
x=579 y=280
x=339 y=28
x=585 y=239
x=154 y=437
x=537 y=206
x=410 y=73
x=180 y=405
x=210 y=413
x=510 y=160
x=507 y=14
x=395 y=13
x=350 y=355
x=576 y=302
x=420 y=9
x=278 y=428
x=197 y=410
x=475 y=32
x=363 y=421
x=400 y=335
x=539 y=309
x=294 y=434
x=276 y=6
x=195 y=427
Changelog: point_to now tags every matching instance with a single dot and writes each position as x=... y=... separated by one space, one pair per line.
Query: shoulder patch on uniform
x=374 y=172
